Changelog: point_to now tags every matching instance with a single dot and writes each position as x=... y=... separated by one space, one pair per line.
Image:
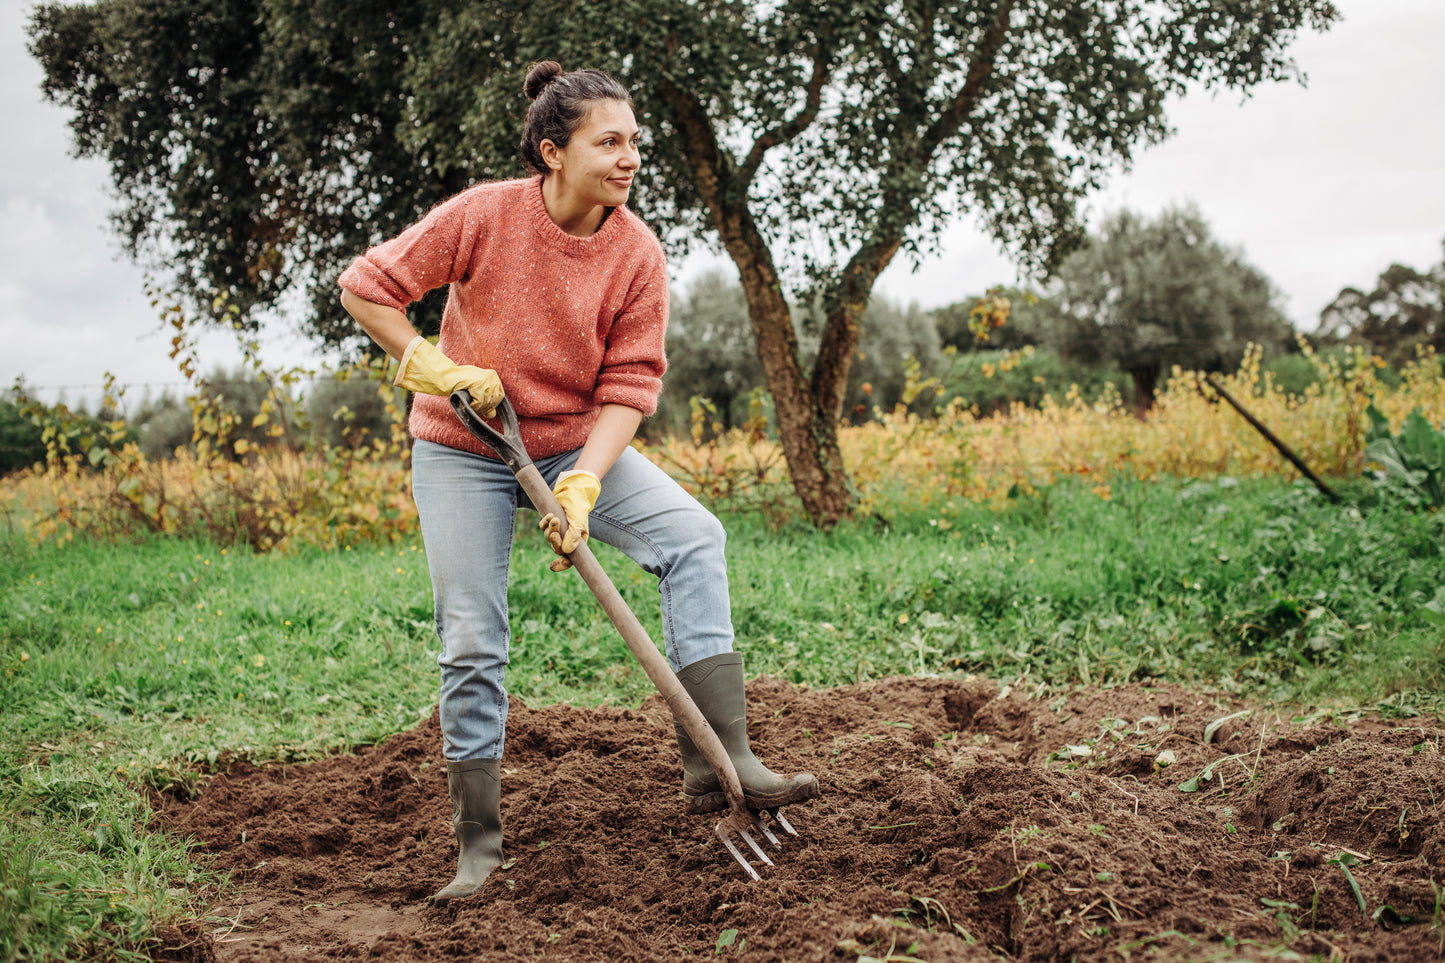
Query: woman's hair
x=560 y=103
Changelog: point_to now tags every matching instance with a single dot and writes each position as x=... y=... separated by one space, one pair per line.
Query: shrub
x=251 y=473
x=20 y=442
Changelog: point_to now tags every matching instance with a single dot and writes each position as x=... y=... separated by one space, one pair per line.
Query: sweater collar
x=569 y=244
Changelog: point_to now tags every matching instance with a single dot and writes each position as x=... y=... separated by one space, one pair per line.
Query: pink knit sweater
x=568 y=323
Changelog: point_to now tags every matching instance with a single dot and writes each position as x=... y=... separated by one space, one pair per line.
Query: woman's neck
x=574 y=217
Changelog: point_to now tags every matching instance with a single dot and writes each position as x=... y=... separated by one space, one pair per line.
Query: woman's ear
x=551 y=154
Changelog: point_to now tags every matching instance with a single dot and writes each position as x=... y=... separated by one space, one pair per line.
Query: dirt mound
x=957 y=822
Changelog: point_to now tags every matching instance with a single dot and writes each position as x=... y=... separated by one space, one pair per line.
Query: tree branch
x=985 y=56
x=787 y=131
x=703 y=153
x=843 y=326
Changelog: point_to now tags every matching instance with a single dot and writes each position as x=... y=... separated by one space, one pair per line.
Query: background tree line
x=1142 y=295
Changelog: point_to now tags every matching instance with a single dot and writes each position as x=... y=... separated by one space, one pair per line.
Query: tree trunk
x=1146 y=379
x=844 y=322
x=808 y=431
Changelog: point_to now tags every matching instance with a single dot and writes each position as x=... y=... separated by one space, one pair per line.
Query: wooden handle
x=684 y=710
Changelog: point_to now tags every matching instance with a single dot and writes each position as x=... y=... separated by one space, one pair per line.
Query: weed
x=1344 y=861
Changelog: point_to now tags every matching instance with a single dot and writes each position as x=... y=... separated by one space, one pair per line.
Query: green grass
x=134 y=666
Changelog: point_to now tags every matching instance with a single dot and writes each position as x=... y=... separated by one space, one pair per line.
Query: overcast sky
x=1321 y=186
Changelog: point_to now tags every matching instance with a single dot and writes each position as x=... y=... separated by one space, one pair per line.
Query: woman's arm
x=388 y=326
x=423 y=366
x=614 y=431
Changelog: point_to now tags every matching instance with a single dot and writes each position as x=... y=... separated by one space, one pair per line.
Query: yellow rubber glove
x=577 y=491
x=424 y=368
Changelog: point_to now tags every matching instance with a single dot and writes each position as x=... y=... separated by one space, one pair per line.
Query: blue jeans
x=468 y=508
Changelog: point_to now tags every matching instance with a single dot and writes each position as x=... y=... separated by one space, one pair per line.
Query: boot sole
x=712 y=802
x=448 y=894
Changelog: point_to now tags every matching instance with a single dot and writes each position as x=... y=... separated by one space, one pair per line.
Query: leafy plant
x=1413 y=460
x=254 y=472
x=1344 y=861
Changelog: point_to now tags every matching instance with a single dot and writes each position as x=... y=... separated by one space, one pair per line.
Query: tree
x=345 y=410
x=1152 y=294
x=253 y=144
x=811 y=141
x=162 y=425
x=1406 y=309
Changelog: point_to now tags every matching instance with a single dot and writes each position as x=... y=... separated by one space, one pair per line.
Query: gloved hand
x=577 y=491
x=424 y=368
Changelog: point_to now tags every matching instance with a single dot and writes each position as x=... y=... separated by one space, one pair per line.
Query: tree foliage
x=1150 y=294
x=257 y=144
x=21 y=444
x=1406 y=309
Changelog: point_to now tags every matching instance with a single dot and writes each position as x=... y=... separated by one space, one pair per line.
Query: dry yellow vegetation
x=275 y=497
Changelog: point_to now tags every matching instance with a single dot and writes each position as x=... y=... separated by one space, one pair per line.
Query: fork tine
x=777 y=814
x=753 y=845
x=763 y=827
x=738 y=856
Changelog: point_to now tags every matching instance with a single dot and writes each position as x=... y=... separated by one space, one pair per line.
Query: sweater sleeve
x=634 y=358
x=432 y=252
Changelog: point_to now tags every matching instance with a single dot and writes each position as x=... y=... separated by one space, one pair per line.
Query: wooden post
x=1269 y=436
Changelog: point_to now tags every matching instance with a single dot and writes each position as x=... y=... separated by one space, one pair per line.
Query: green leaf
x=1213 y=727
x=1434 y=610
x=1422 y=444
x=1344 y=861
x=725 y=939
x=1379 y=424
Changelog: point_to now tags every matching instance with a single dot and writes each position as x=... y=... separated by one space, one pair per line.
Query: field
x=958 y=821
x=1058 y=711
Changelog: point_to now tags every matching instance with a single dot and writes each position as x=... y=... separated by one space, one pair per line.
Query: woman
x=558 y=297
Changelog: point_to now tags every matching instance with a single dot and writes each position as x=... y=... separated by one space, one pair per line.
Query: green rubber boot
x=475 y=787
x=716 y=685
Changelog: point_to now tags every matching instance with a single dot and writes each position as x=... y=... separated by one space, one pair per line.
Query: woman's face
x=597 y=165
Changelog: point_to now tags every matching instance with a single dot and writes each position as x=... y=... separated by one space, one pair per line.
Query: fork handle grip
x=684 y=710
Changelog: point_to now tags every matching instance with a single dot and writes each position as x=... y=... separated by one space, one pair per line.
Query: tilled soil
x=958 y=821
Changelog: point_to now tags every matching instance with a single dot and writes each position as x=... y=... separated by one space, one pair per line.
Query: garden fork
x=740 y=823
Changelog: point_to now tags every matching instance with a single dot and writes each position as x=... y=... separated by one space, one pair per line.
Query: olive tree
x=1151 y=293
x=1404 y=311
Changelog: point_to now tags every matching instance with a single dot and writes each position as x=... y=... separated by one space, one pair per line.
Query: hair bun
x=541 y=74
